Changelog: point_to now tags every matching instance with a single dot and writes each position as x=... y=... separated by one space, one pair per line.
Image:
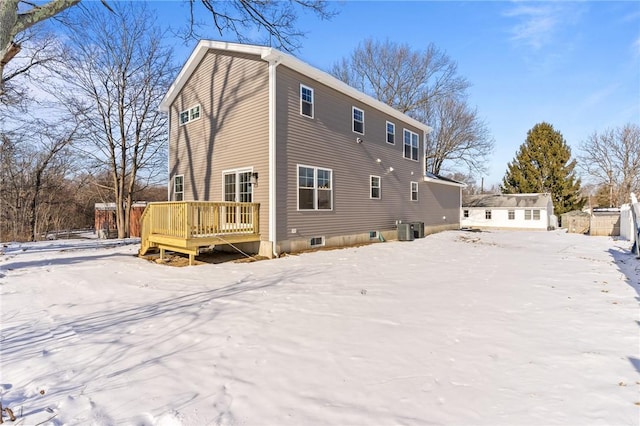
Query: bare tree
x=426 y=86
x=400 y=77
x=117 y=73
x=611 y=159
x=260 y=21
x=34 y=162
x=274 y=20
x=459 y=138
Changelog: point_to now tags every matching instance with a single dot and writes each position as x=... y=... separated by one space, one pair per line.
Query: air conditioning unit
x=418 y=229
x=405 y=232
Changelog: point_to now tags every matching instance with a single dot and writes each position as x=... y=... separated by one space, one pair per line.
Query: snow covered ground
x=492 y=328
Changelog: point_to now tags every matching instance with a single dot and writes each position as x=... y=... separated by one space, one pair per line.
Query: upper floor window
x=178 y=188
x=414 y=191
x=411 y=144
x=190 y=114
x=391 y=133
x=306 y=101
x=487 y=214
x=358 y=120
x=314 y=188
x=374 y=185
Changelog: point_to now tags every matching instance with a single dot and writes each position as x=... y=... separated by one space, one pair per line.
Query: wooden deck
x=186 y=226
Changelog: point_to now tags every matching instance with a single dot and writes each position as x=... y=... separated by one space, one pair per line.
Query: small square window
x=512 y=214
x=358 y=120
x=194 y=113
x=184 y=117
x=391 y=133
x=373 y=235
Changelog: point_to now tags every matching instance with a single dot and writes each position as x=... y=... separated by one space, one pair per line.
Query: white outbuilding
x=508 y=211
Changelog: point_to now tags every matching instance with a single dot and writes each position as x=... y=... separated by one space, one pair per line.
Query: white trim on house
x=441 y=181
x=273 y=64
x=270 y=54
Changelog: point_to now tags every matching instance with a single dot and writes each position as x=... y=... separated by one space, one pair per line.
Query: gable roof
x=507 y=200
x=269 y=54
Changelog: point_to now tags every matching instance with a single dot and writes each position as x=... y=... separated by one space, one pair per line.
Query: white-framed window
x=527 y=215
x=487 y=214
x=316 y=242
x=512 y=214
x=536 y=215
x=178 y=188
x=391 y=133
x=411 y=144
x=306 y=101
x=465 y=213
x=189 y=115
x=375 y=187
x=414 y=191
x=358 y=120
x=315 y=188
x=374 y=235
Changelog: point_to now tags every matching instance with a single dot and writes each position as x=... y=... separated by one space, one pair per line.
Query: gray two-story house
x=328 y=165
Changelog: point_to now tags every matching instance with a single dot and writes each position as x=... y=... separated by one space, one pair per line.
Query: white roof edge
x=444 y=182
x=271 y=54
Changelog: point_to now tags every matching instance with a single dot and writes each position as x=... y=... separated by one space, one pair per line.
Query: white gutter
x=445 y=182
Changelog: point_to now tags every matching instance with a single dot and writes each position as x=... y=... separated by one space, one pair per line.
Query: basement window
x=316 y=242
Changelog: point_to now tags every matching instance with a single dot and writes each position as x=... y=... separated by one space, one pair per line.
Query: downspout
x=273 y=63
x=169 y=154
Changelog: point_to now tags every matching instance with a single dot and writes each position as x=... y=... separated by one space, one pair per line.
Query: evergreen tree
x=543 y=164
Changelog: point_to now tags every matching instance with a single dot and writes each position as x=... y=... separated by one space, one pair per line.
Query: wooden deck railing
x=195 y=221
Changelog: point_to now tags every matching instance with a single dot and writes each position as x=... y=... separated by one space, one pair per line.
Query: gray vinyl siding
x=327 y=141
x=232 y=133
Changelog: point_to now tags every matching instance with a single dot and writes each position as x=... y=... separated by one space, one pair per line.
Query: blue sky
x=575 y=65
